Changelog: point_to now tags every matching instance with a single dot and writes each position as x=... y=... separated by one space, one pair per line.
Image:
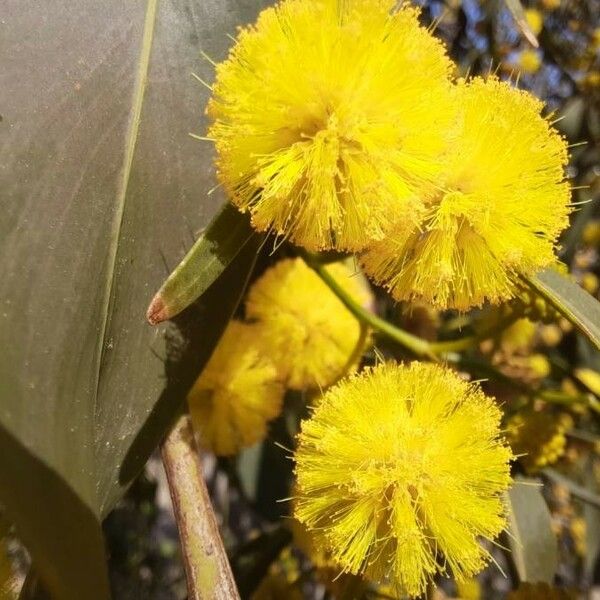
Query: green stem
x=416 y=345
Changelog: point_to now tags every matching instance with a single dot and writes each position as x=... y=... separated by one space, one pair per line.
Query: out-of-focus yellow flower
x=589 y=378
x=518 y=336
x=400 y=471
x=529 y=61
x=596 y=38
x=591 y=234
x=578 y=532
x=276 y=586
x=327 y=570
x=318 y=554
x=551 y=4
x=538 y=437
x=539 y=365
x=497 y=211
x=327 y=115
x=569 y=387
x=591 y=80
x=539 y=591
x=551 y=335
x=589 y=282
x=534 y=19
x=469 y=589
x=312 y=337
x=237 y=393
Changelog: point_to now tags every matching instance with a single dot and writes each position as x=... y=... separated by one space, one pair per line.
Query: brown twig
x=207 y=569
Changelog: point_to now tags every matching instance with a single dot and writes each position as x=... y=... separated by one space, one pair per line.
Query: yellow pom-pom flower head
x=237 y=393
x=497 y=212
x=400 y=470
x=312 y=337
x=326 y=114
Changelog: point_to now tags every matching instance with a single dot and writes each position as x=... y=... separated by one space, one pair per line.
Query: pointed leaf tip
x=221 y=242
x=157 y=311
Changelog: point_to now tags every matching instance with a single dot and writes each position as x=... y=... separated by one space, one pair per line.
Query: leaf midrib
x=121 y=198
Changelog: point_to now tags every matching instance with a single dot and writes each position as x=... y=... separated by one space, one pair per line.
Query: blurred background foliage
x=533 y=367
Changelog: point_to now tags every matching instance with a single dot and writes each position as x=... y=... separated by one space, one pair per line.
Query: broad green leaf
x=226 y=235
x=100 y=180
x=573 y=302
x=532 y=542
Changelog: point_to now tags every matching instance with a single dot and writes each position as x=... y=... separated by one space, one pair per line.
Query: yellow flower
x=237 y=393
x=551 y=335
x=312 y=338
x=275 y=586
x=539 y=437
x=470 y=589
x=578 y=533
x=497 y=211
x=326 y=114
x=534 y=19
x=551 y=4
x=589 y=378
x=539 y=591
x=326 y=570
x=529 y=61
x=518 y=336
x=591 y=234
x=400 y=470
x=590 y=282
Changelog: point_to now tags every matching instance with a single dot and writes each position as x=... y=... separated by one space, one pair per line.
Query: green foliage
x=532 y=541
x=100 y=181
x=573 y=302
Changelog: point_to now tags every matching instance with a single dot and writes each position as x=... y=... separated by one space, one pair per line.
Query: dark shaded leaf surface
x=99 y=180
x=532 y=542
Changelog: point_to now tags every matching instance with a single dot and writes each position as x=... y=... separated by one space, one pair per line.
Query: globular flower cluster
x=312 y=337
x=341 y=125
x=321 y=123
x=338 y=125
x=238 y=392
x=538 y=437
x=400 y=471
x=496 y=211
x=297 y=335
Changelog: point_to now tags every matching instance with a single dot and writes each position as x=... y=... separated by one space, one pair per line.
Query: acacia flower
x=400 y=470
x=237 y=393
x=312 y=337
x=538 y=437
x=496 y=212
x=326 y=114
